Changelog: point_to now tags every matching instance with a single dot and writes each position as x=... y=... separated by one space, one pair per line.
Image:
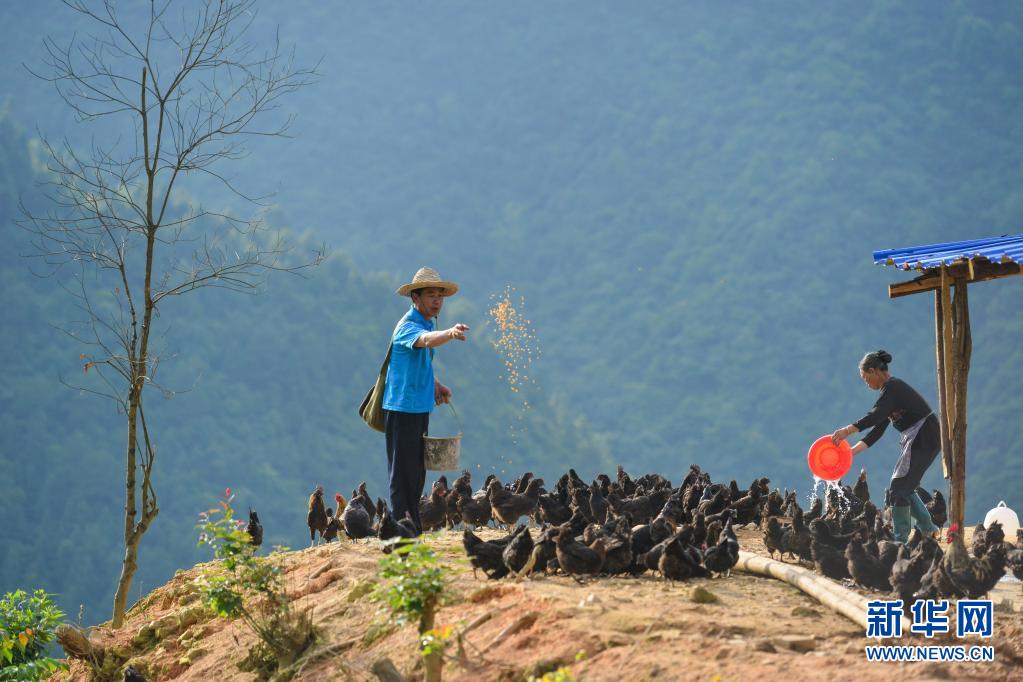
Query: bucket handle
x=460 y=429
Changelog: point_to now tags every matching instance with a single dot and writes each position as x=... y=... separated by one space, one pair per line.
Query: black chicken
x=433 y=510
x=773 y=537
x=865 y=568
x=816 y=508
x=861 y=490
x=355 y=520
x=646 y=536
x=985 y=538
x=973 y=577
x=367 y=501
x=475 y=511
x=618 y=557
x=677 y=562
x=553 y=510
x=1014 y=561
x=910 y=566
x=747 y=507
x=316 y=519
x=796 y=538
x=485 y=556
x=133 y=675
x=598 y=504
x=935 y=505
x=333 y=526
x=626 y=486
x=827 y=559
x=255 y=528
x=720 y=558
x=388 y=528
x=575 y=558
x=516 y=552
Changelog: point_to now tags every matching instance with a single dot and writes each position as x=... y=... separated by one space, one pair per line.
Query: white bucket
x=441 y=454
x=1005 y=516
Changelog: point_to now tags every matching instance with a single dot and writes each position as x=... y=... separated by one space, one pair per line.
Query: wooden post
x=962 y=351
x=950 y=397
x=939 y=345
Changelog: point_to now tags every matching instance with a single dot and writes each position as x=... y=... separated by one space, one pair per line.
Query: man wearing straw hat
x=412 y=390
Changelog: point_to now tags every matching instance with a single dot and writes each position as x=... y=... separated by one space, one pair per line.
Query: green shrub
x=27 y=625
x=416 y=584
x=252 y=588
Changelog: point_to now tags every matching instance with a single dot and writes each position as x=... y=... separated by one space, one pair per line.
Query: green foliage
x=416 y=581
x=562 y=674
x=435 y=642
x=27 y=625
x=252 y=588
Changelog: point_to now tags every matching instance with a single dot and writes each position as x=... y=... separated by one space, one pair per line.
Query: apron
x=906 y=442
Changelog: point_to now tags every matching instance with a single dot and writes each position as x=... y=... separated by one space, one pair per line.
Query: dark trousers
x=406 y=466
x=925 y=448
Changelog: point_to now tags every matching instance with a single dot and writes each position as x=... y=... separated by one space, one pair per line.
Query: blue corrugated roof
x=1005 y=249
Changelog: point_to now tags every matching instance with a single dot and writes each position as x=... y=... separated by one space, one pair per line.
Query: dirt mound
x=606 y=629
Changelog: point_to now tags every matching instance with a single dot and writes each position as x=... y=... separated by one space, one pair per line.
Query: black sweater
x=898 y=402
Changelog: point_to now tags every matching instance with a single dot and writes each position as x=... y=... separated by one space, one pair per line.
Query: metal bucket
x=441 y=454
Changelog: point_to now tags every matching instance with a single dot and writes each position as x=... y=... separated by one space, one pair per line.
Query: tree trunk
x=133 y=531
x=131 y=538
x=434 y=662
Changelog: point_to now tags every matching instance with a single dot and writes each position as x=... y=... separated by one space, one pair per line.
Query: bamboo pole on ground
x=826 y=591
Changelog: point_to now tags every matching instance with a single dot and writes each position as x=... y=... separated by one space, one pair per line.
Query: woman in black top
x=910 y=414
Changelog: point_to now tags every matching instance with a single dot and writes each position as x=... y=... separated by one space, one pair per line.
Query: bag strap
x=387 y=360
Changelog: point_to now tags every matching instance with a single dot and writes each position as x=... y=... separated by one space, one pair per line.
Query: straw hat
x=427 y=277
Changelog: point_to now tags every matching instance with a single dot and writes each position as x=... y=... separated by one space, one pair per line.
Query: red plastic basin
x=829 y=461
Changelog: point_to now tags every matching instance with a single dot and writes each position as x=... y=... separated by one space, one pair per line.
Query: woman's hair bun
x=884 y=356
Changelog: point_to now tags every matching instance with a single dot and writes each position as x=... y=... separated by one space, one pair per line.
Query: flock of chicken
x=850 y=540
x=628 y=526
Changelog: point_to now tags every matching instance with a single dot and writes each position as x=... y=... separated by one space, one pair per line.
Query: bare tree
x=183 y=94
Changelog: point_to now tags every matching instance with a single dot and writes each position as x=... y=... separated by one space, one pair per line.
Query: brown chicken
x=508 y=507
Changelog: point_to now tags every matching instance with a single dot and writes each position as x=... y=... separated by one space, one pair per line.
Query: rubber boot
x=902 y=522
x=920 y=514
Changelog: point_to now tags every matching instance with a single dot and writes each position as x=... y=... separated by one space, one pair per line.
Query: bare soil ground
x=605 y=629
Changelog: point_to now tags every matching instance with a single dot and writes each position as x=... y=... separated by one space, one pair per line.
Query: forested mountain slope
x=687 y=196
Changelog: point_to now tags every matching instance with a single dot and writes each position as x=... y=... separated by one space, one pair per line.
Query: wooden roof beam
x=979 y=271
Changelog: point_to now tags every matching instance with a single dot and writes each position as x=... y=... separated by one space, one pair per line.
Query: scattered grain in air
x=516 y=341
